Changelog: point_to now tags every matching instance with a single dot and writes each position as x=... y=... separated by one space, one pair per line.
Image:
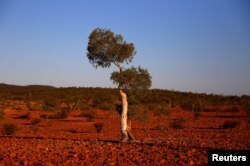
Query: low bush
x=90 y=115
x=34 y=129
x=44 y=116
x=9 y=129
x=138 y=112
x=63 y=114
x=177 y=124
x=24 y=116
x=35 y=121
x=229 y=124
x=98 y=126
x=84 y=106
x=106 y=106
x=162 y=111
x=161 y=127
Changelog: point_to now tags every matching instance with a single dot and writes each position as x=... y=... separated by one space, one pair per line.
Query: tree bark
x=125 y=128
x=124 y=118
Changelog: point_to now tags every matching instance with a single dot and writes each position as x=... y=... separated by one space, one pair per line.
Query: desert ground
x=178 y=138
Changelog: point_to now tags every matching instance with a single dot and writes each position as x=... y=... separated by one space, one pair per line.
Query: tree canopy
x=133 y=78
x=104 y=48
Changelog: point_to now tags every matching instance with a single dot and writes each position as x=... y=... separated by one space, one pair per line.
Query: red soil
x=74 y=141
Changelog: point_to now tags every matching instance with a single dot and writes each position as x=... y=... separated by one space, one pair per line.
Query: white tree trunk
x=124 y=117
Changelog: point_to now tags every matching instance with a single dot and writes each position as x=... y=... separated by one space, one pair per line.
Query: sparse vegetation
x=138 y=112
x=49 y=98
x=98 y=126
x=90 y=115
x=177 y=124
x=229 y=124
x=151 y=113
x=24 y=116
x=162 y=109
x=62 y=114
x=34 y=129
x=9 y=128
x=161 y=127
x=35 y=121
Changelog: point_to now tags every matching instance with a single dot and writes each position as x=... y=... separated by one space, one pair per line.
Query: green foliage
x=9 y=129
x=134 y=78
x=93 y=97
x=105 y=47
x=84 y=106
x=106 y=106
x=229 y=124
x=49 y=104
x=162 y=111
x=98 y=126
x=138 y=112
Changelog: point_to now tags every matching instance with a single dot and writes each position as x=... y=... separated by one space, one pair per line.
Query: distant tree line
x=78 y=98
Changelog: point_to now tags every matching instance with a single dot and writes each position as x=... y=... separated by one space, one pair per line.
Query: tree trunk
x=125 y=129
x=124 y=124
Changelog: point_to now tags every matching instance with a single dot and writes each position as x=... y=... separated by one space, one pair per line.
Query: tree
x=106 y=48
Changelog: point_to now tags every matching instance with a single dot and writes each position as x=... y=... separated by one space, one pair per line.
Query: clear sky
x=187 y=45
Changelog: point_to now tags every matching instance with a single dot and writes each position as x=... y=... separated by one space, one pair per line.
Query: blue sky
x=187 y=45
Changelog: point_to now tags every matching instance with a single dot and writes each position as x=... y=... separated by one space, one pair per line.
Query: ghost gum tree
x=106 y=48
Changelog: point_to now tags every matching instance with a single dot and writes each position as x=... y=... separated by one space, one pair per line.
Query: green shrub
x=229 y=124
x=48 y=108
x=177 y=124
x=106 y=106
x=49 y=104
x=98 y=126
x=138 y=112
x=9 y=129
x=162 y=110
x=84 y=106
x=35 y=121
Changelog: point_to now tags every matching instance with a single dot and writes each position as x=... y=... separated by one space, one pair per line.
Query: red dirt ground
x=74 y=141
